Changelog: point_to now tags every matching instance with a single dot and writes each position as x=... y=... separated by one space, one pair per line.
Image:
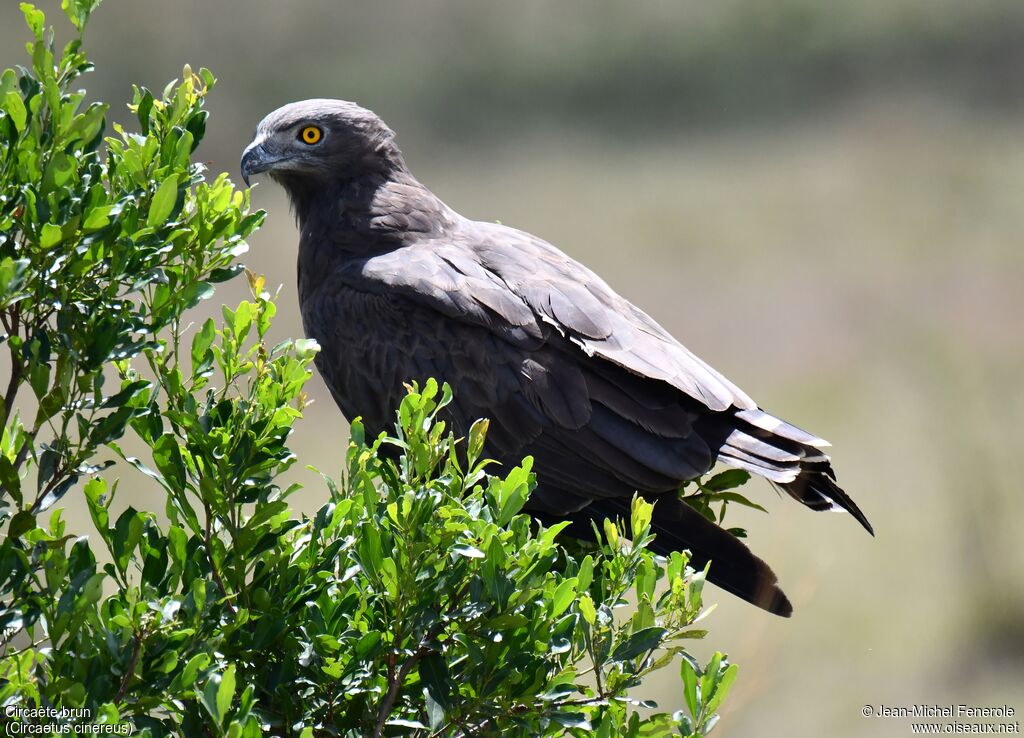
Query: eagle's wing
x=513 y=281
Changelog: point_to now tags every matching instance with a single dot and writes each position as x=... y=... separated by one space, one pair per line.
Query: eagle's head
x=313 y=142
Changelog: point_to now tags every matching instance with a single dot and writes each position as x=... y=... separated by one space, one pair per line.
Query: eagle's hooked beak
x=255 y=159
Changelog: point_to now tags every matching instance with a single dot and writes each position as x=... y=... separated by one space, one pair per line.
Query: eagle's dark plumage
x=396 y=286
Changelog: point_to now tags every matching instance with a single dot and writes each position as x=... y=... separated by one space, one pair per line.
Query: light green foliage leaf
x=587 y=609
x=163 y=201
x=728 y=479
x=722 y=687
x=78 y=11
x=14 y=108
x=586 y=573
x=192 y=669
x=226 y=690
x=12 y=278
x=716 y=492
x=202 y=356
x=563 y=596
x=477 y=434
x=34 y=18
x=97 y=218
x=640 y=516
x=689 y=676
x=210 y=698
x=50 y=236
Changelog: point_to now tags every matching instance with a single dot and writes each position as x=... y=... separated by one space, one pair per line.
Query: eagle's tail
x=791 y=458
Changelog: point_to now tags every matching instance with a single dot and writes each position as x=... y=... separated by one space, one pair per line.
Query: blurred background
x=824 y=200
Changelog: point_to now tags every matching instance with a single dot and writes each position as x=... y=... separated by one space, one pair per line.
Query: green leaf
x=168 y=663
x=689 y=677
x=611 y=533
x=729 y=479
x=738 y=499
x=477 y=435
x=197 y=292
x=177 y=545
x=722 y=688
x=191 y=671
x=437 y=687
x=226 y=690
x=572 y=720
x=10 y=480
x=50 y=405
x=127 y=533
x=513 y=492
x=21 y=523
x=14 y=108
x=167 y=457
x=12 y=277
x=50 y=236
x=163 y=202
x=145 y=106
x=639 y=643
x=95 y=490
x=208 y=698
x=88 y=126
x=242 y=318
x=202 y=357
x=586 y=573
x=367 y=644
x=78 y=11
x=34 y=18
x=708 y=681
x=469 y=552
x=126 y=394
x=587 y=609
x=98 y=217
x=640 y=516
x=563 y=596
x=59 y=171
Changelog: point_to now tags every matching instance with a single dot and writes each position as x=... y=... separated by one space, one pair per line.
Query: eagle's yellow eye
x=311 y=135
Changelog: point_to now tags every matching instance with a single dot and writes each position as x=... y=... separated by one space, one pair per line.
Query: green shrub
x=419 y=600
